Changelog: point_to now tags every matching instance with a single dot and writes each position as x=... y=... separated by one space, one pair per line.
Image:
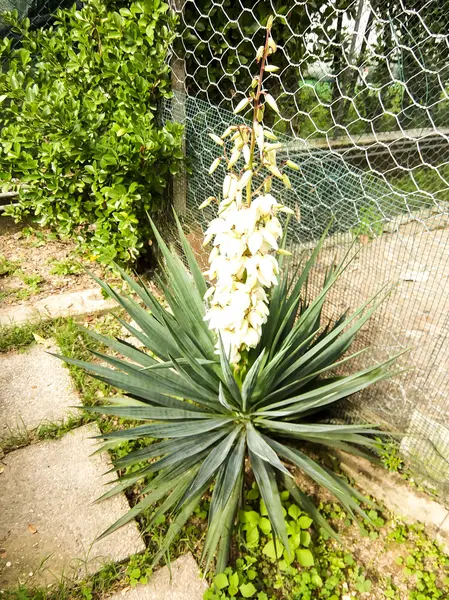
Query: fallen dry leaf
x=32 y=528
x=364 y=239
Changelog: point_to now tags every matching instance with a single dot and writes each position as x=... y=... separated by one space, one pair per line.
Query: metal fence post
x=178 y=77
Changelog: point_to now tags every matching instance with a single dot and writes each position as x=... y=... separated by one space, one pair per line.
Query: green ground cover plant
x=66 y=267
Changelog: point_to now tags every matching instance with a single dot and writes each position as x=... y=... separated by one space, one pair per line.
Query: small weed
x=65 y=267
x=38 y=237
x=109 y=578
x=75 y=343
x=8 y=267
x=370 y=223
x=361 y=584
x=15 y=438
x=22 y=294
x=20 y=436
x=18 y=337
x=137 y=570
x=390 y=455
x=4 y=295
x=32 y=281
x=53 y=431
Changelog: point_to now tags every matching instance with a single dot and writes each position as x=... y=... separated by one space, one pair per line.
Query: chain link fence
x=363 y=89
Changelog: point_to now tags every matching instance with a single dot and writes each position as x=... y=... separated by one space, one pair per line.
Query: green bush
x=79 y=133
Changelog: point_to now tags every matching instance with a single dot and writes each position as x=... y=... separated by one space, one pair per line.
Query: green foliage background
x=80 y=138
x=219 y=44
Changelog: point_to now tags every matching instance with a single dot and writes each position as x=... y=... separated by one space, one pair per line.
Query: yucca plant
x=239 y=383
x=211 y=422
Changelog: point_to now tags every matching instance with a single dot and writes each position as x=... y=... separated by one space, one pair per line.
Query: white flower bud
x=274 y=170
x=259 y=53
x=293 y=165
x=210 y=292
x=228 y=131
x=226 y=186
x=206 y=202
x=269 y=147
x=270 y=135
x=286 y=181
x=214 y=165
x=244 y=179
x=235 y=155
x=287 y=210
x=208 y=239
x=241 y=105
x=216 y=139
x=271 y=102
x=234 y=187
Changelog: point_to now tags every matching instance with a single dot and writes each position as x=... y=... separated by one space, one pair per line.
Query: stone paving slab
x=398 y=496
x=181 y=582
x=58 y=305
x=34 y=388
x=47 y=515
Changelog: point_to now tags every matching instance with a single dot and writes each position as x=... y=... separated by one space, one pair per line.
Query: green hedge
x=79 y=135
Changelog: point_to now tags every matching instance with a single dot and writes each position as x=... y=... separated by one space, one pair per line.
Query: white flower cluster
x=242 y=266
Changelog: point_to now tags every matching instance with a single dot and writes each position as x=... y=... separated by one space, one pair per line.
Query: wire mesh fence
x=363 y=87
x=363 y=90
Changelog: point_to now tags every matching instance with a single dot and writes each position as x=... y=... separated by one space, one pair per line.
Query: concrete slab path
x=180 y=581
x=34 y=388
x=48 y=519
x=58 y=305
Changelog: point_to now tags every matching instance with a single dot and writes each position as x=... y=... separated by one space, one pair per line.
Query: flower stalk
x=245 y=234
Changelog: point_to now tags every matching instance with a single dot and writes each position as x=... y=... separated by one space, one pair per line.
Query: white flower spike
x=242 y=264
